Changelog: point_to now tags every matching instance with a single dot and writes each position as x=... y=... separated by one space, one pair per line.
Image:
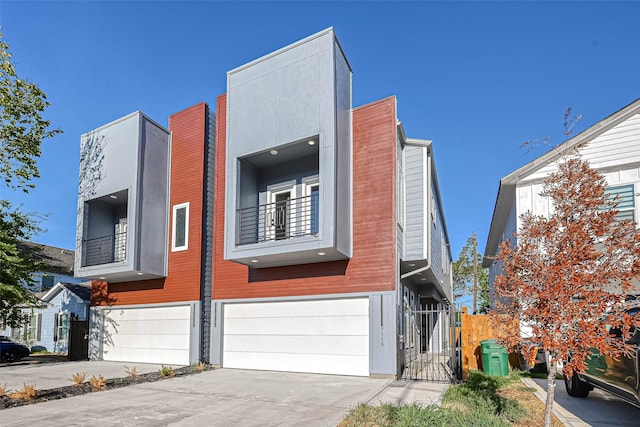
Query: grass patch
x=482 y=401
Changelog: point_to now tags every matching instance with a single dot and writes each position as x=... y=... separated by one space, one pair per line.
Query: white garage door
x=147 y=335
x=322 y=336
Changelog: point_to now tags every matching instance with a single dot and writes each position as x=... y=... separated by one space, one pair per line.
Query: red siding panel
x=188 y=139
x=373 y=265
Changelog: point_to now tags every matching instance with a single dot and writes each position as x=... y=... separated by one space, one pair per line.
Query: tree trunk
x=551 y=389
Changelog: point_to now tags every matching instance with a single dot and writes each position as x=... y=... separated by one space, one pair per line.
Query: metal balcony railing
x=281 y=220
x=105 y=250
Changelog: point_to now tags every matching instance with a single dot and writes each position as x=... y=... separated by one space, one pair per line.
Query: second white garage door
x=319 y=336
x=147 y=335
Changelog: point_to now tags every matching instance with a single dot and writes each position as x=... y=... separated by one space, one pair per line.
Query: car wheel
x=7 y=356
x=576 y=387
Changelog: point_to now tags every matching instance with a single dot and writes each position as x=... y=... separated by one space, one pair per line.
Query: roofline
x=57 y=288
x=583 y=137
x=292 y=46
x=123 y=118
x=506 y=190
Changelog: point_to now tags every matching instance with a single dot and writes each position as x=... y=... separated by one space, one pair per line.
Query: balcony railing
x=105 y=250
x=281 y=220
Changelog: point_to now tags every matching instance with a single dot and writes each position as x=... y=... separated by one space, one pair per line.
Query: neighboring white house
x=612 y=147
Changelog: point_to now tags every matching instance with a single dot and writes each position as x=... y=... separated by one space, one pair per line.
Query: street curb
x=567 y=418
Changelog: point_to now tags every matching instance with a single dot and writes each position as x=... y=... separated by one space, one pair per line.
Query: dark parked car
x=11 y=351
x=618 y=377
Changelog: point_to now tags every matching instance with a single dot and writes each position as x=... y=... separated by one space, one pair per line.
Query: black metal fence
x=105 y=250
x=283 y=219
x=432 y=349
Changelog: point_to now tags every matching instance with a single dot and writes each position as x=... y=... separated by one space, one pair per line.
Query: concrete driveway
x=224 y=397
x=600 y=409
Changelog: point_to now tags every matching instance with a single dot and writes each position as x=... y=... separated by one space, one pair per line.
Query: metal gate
x=432 y=346
x=78 y=340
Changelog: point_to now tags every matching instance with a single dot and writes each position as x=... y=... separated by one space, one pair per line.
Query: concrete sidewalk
x=220 y=397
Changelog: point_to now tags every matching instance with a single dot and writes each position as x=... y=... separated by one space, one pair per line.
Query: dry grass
x=133 y=372
x=28 y=392
x=200 y=367
x=78 y=378
x=3 y=389
x=97 y=383
x=534 y=406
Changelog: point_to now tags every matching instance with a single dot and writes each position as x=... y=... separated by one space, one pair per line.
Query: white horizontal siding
x=415 y=174
x=617 y=146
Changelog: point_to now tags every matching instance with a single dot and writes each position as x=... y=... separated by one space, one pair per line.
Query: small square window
x=47 y=282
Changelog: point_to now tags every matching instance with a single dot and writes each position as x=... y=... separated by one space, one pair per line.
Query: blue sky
x=477 y=78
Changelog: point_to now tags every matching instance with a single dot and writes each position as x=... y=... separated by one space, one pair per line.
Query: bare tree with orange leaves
x=568 y=274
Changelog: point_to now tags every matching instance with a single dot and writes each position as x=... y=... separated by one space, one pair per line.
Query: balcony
x=284 y=219
x=105 y=250
x=288 y=135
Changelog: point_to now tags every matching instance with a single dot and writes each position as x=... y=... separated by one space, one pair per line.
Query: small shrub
x=78 y=378
x=3 y=389
x=167 y=371
x=198 y=367
x=97 y=383
x=28 y=392
x=38 y=349
x=133 y=372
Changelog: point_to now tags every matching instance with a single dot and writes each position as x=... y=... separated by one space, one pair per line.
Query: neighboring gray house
x=612 y=147
x=57 y=262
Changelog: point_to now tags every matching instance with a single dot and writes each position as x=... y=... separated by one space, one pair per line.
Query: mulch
x=86 y=387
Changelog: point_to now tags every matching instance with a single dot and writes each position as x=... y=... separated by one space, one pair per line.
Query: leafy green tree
x=463 y=273
x=22 y=130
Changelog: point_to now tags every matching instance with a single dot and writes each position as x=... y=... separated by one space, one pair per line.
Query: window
x=47 y=282
x=32 y=328
x=180 y=227
x=61 y=327
x=624 y=196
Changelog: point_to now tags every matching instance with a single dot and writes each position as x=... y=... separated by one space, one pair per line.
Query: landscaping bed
x=482 y=401
x=28 y=395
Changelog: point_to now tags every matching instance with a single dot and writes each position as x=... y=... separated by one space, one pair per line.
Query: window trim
x=308 y=183
x=174 y=229
x=59 y=326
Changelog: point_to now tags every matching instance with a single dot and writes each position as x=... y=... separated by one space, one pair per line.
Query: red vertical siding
x=373 y=265
x=188 y=139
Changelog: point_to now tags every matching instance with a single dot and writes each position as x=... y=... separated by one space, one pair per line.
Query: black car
x=11 y=351
x=619 y=377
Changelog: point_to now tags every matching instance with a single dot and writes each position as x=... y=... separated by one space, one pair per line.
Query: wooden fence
x=476 y=328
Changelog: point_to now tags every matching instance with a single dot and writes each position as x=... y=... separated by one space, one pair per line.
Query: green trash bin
x=495 y=360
